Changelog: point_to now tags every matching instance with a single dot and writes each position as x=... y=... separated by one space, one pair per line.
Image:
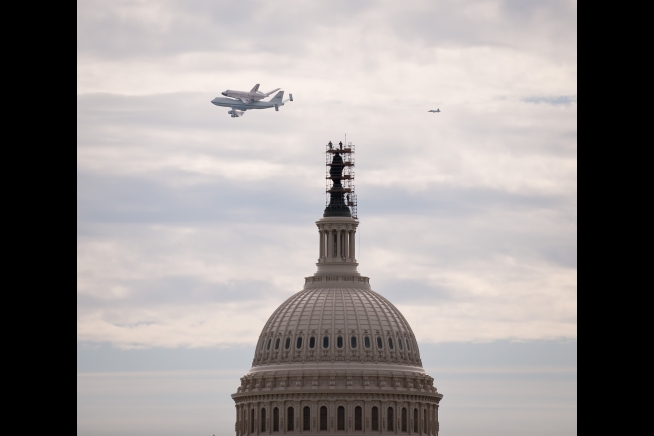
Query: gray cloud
x=190 y=222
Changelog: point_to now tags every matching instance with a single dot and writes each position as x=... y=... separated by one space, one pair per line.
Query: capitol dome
x=340 y=324
x=336 y=357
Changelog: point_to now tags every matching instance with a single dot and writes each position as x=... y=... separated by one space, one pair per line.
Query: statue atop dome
x=340 y=181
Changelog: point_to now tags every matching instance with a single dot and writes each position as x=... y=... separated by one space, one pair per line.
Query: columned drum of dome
x=352 y=364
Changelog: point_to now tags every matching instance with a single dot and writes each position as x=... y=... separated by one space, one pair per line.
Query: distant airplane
x=239 y=108
x=437 y=110
x=248 y=97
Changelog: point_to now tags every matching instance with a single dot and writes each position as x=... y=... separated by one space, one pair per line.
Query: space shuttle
x=248 y=97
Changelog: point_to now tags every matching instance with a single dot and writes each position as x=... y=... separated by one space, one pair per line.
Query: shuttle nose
x=224 y=93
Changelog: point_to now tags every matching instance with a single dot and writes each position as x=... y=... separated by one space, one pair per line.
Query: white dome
x=337 y=325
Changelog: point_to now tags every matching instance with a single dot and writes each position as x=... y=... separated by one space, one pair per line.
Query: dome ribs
x=359 y=330
x=399 y=320
x=288 y=330
x=339 y=312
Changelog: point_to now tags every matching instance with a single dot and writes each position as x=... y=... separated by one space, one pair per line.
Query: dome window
x=390 y=343
x=340 y=418
x=389 y=419
x=276 y=419
x=312 y=342
x=380 y=344
x=287 y=345
x=399 y=344
x=353 y=342
x=269 y=343
x=366 y=342
x=298 y=345
x=358 y=422
x=339 y=342
x=277 y=344
x=375 y=419
x=325 y=342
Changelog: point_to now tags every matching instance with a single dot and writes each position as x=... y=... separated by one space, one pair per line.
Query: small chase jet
x=239 y=107
x=437 y=110
x=248 y=97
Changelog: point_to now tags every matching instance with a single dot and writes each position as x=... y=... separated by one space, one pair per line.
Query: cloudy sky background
x=193 y=226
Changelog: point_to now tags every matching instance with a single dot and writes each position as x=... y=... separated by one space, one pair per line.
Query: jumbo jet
x=437 y=110
x=239 y=108
x=248 y=97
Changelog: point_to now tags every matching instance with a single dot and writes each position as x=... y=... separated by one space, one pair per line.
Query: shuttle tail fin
x=268 y=93
x=255 y=89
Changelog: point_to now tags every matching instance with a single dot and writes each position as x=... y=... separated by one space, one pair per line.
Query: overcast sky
x=193 y=226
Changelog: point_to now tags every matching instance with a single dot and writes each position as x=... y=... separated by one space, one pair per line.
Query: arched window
x=290 y=419
x=252 y=421
x=390 y=343
x=323 y=418
x=424 y=421
x=306 y=418
x=404 y=419
x=399 y=343
x=312 y=342
x=269 y=342
x=375 y=418
x=380 y=344
x=339 y=342
x=277 y=344
x=415 y=420
x=287 y=345
x=366 y=342
x=353 y=342
x=263 y=419
x=325 y=342
x=389 y=419
x=358 y=425
x=340 y=417
x=298 y=344
x=276 y=419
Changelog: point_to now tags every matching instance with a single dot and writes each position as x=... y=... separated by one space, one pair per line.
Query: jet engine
x=236 y=114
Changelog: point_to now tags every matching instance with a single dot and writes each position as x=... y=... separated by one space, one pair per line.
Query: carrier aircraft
x=238 y=106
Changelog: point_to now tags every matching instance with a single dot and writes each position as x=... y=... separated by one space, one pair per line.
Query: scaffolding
x=346 y=152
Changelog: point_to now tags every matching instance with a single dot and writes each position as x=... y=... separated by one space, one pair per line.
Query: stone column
x=321 y=233
x=330 y=243
x=354 y=244
x=339 y=244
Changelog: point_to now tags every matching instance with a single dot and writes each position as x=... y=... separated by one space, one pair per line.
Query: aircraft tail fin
x=277 y=98
x=255 y=89
x=268 y=93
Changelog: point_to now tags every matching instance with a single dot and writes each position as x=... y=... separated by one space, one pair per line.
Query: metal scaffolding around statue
x=341 y=198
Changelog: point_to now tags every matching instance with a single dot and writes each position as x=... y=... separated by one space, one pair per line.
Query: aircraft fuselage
x=238 y=104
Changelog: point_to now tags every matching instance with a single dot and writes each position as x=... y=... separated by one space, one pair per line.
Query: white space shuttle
x=248 y=97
